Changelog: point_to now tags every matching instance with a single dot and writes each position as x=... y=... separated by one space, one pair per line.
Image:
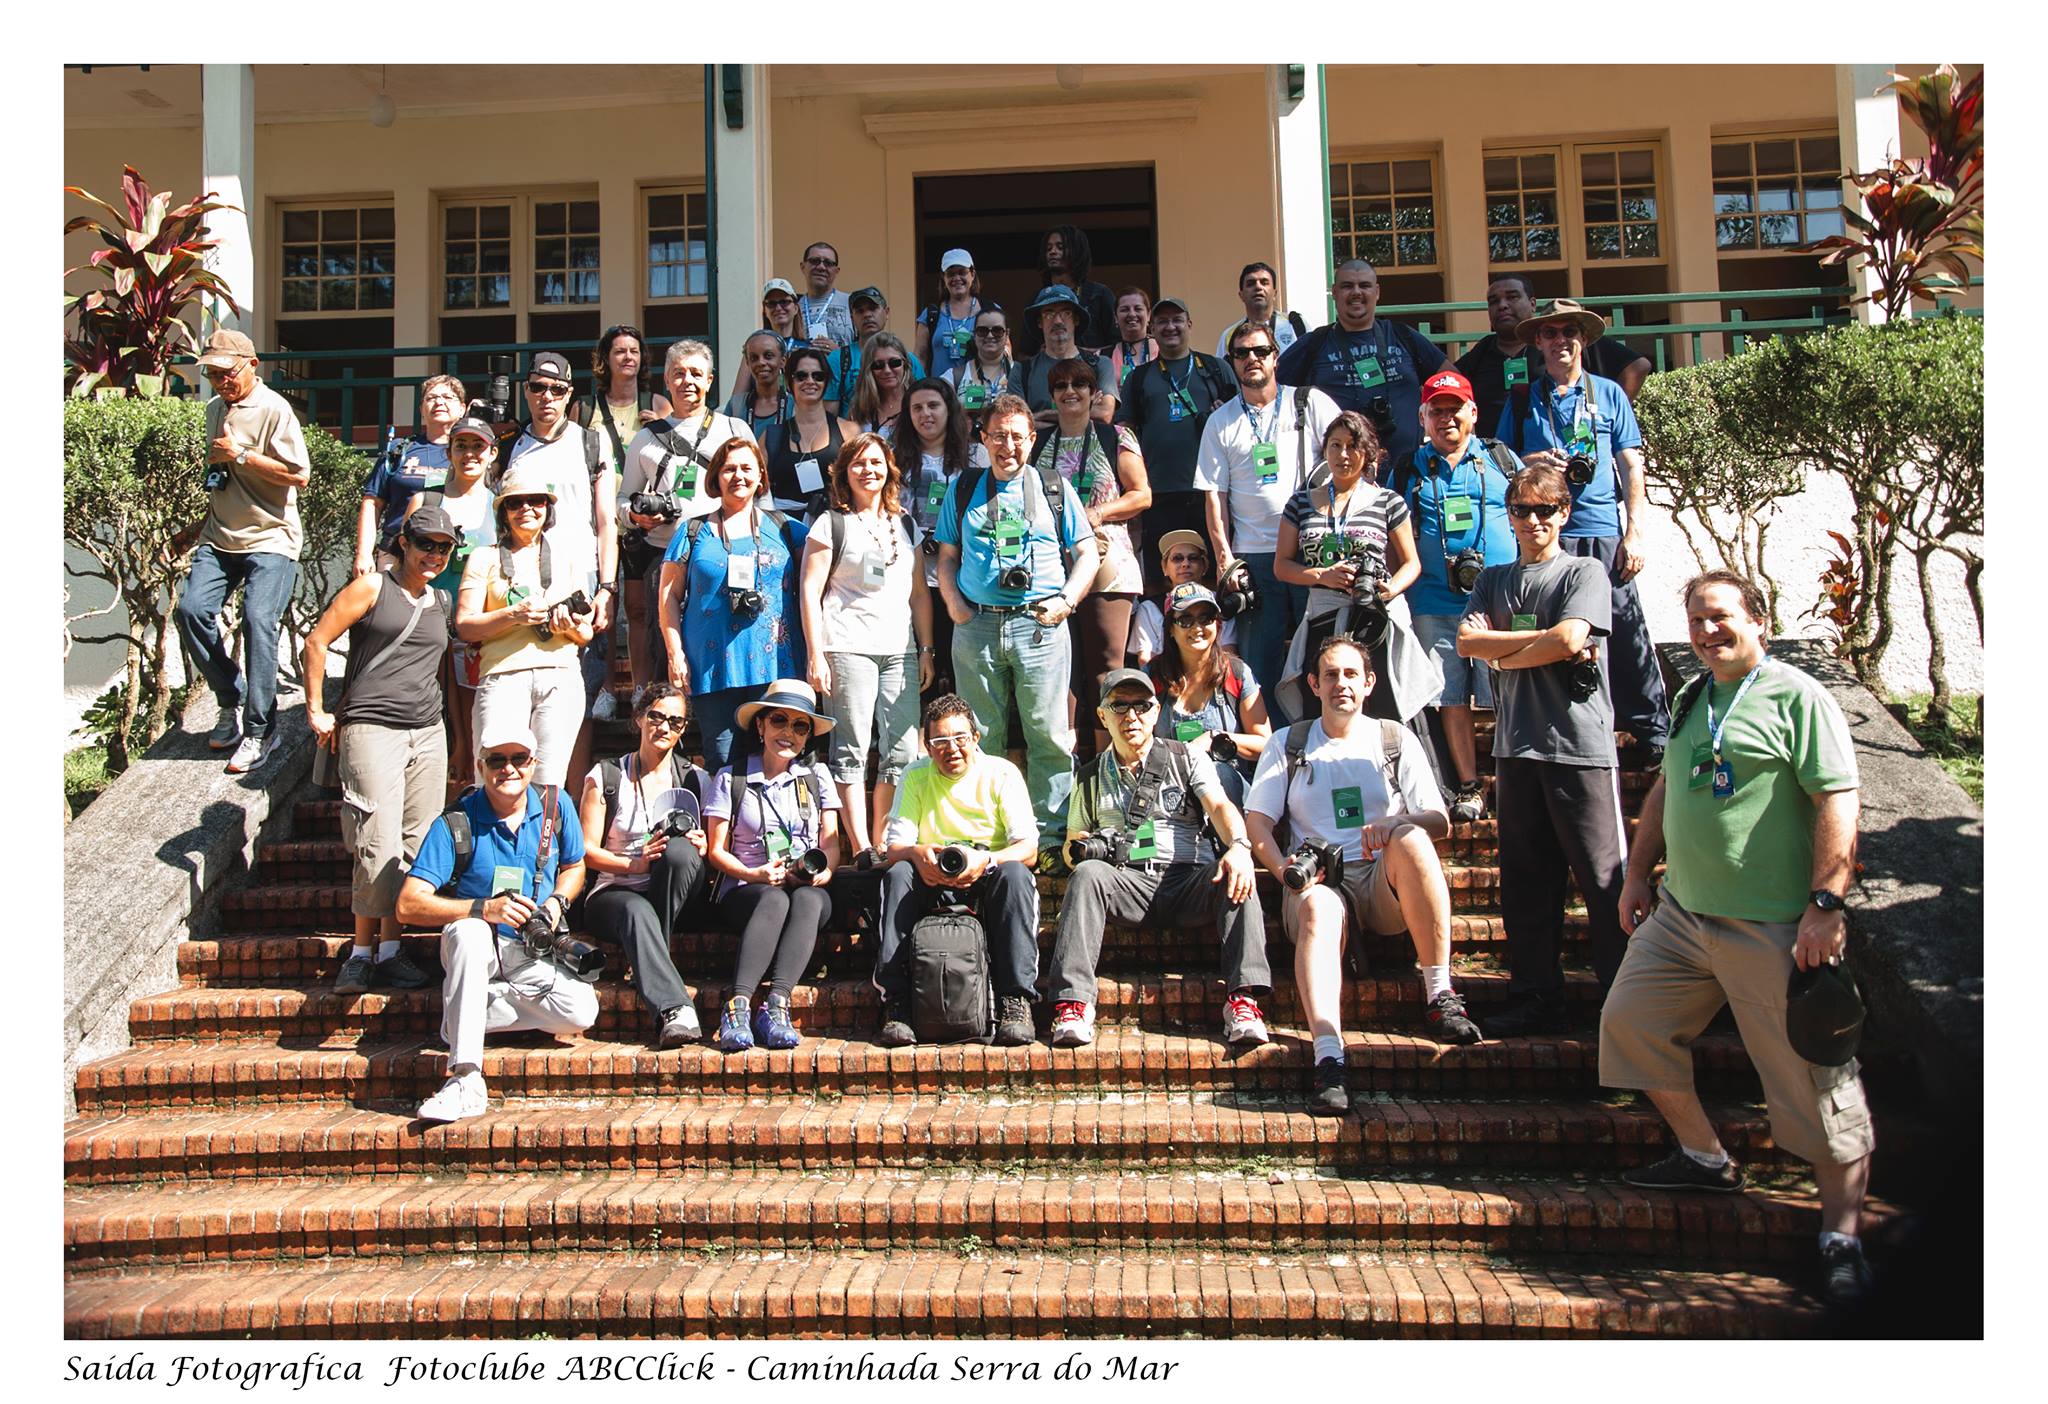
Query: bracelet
x=476 y=908
x=1241 y=842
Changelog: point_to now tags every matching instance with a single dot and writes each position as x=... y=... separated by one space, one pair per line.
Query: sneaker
x=679 y=1026
x=772 y=1028
x=1073 y=1024
x=356 y=974
x=1242 y=1021
x=252 y=752
x=1848 y=1280
x=1448 y=1020
x=462 y=1095
x=896 y=1031
x=1330 y=1097
x=733 y=1034
x=400 y=973
x=1013 y=1021
x=1680 y=1171
x=1470 y=805
x=606 y=707
x=1531 y=1015
x=228 y=730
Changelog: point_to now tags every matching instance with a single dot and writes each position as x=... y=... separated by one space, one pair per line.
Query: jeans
x=1000 y=656
x=1005 y=900
x=1181 y=896
x=867 y=688
x=1264 y=630
x=714 y=712
x=268 y=578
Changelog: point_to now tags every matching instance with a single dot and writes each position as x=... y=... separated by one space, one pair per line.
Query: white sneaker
x=606 y=707
x=253 y=751
x=228 y=730
x=1073 y=1024
x=1242 y=1022
x=462 y=1095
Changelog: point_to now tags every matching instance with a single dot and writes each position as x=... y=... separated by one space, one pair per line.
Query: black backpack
x=464 y=838
x=952 y=999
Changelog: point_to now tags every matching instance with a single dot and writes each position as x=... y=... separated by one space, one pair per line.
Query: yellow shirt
x=520 y=647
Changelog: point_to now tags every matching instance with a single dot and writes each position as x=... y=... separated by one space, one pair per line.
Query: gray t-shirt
x=1534 y=715
x=1186 y=778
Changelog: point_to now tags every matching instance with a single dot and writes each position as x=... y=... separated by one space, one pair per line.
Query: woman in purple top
x=772 y=826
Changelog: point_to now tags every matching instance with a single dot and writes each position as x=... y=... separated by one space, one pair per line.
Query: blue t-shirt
x=502 y=859
x=1344 y=369
x=1434 y=491
x=952 y=337
x=418 y=468
x=1557 y=418
x=1018 y=508
x=725 y=651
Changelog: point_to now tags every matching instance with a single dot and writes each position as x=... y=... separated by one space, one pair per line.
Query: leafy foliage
x=154 y=266
x=328 y=509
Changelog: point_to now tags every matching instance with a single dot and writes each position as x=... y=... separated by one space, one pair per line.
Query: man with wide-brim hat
x=1583 y=425
x=1061 y=320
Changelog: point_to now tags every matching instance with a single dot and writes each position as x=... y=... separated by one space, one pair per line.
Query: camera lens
x=1222 y=748
x=1578 y=470
x=930 y=546
x=952 y=860
x=1016 y=577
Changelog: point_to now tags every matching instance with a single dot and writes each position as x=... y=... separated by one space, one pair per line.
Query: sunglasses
x=779 y=304
x=1191 y=620
x=1058 y=385
x=429 y=546
x=1187 y=558
x=991 y=333
x=547 y=389
x=667 y=721
x=788 y=721
x=1256 y=353
x=822 y=262
x=958 y=742
x=524 y=504
x=806 y=377
x=498 y=760
x=1541 y=511
x=893 y=363
x=1127 y=706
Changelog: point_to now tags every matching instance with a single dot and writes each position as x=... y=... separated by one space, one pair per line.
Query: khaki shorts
x=1369 y=900
x=1680 y=968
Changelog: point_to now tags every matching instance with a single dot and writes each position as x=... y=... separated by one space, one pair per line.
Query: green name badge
x=935 y=494
x=1347 y=806
x=1144 y=841
x=1514 y=371
x=507 y=879
x=1187 y=730
x=778 y=844
x=1084 y=483
x=516 y=594
x=688 y=481
x=973 y=395
x=1266 y=459
x=1009 y=536
x=1330 y=550
x=1700 y=772
x=1522 y=621
x=1458 y=513
x=1367 y=371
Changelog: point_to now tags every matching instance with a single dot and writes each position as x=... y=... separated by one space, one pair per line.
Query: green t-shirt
x=1750 y=856
x=989 y=805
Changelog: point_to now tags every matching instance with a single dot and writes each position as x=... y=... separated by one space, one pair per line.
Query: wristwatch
x=1241 y=842
x=1827 y=901
x=242 y=458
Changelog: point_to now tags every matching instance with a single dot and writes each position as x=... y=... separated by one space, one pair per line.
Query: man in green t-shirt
x=960 y=798
x=1755 y=812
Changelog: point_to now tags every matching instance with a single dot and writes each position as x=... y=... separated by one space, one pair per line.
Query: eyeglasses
x=221 y=372
x=959 y=741
x=822 y=262
x=893 y=363
x=805 y=377
x=524 y=504
x=548 y=389
x=1058 y=385
x=428 y=546
x=779 y=304
x=498 y=760
x=788 y=721
x=1191 y=620
x=1256 y=353
x=991 y=333
x=1000 y=436
x=1541 y=511
x=1126 y=706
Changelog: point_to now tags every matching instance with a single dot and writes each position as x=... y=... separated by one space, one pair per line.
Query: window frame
x=523 y=305
x=645 y=195
x=1571 y=197
x=1390 y=157
x=1794 y=134
x=320 y=206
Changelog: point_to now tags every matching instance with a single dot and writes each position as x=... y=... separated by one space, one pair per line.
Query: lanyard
x=1178 y=391
x=1443 y=532
x=1263 y=433
x=816 y=317
x=1715 y=728
x=754 y=526
x=1581 y=414
x=1330 y=512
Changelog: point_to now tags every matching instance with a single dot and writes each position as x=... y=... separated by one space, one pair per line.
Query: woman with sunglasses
x=781 y=315
x=647 y=873
x=1206 y=692
x=1135 y=345
x=761 y=400
x=1343 y=538
x=864 y=601
x=620 y=401
x=1183 y=560
x=945 y=330
x=990 y=372
x=804 y=445
x=470 y=505
x=386 y=736
x=728 y=597
x=878 y=390
x=408 y=467
x=520 y=607
x=773 y=836
x=1108 y=473
x=931 y=448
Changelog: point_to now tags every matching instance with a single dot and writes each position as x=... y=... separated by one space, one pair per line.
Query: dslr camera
x=545 y=938
x=1234 y=592
x=1112 y=847
x=1578 y=469
x=746 y=605
x=1223 y=748
x=1462 y=570
x=1381 y=416
x=1313 y=863
x=577 y=604
x=1015 y=577
x=495 y=403
x=676 y=824
x=953 y=860
x=1582 y=679
x=665 y=505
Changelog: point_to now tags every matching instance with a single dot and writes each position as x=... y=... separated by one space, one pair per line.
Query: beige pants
x=1370 y=902
x=393 y=784
x=1680 y=968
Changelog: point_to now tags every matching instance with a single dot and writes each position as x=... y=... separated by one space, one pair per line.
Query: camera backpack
x=952 y=999
x=457 y=820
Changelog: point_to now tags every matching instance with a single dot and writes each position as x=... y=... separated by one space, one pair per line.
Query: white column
x=618 y=246
x=1868 y=120
x=228 y=169
x=412 y=318
x=1301 y=172
x=744 y=225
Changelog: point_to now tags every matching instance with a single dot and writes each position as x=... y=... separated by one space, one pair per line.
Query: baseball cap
x=1448 y=382
x=776 y=285
x=1189 y=594
x=431 y=520
x=504 y=729
x=1132 y=676
x=955 y=258
x=552 y=364
x=473 y=424
x=225 y=347
x=1171 y=302
x=1183 y=537
x=1823 y=1015
x=870 y=293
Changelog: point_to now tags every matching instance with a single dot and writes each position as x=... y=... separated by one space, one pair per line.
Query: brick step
x=1121 y=1060
x=1249 y=1210
x=941 y=1294
x=665 y=1133
x=1171 y=1001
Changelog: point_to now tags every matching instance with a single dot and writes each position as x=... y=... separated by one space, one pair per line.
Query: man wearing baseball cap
x=256 y=462
x=1457 y=499
x=945 y=330
x=524 y=856
x=1134 y=837
x=1166 y=402
x=870 y=315
x=1583 y=425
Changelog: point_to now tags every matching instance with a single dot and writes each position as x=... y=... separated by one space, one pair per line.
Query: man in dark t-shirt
x=1166 y=402
x=1498 y=361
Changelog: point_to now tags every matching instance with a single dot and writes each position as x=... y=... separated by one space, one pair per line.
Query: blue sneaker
x=733 y=1036
x=772 y=1028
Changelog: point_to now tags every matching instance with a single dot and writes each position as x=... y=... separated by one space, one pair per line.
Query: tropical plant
x=1924 y=216
x=329 y=505
x=154 y=266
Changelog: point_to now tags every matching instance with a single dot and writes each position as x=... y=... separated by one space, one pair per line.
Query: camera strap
x=672 y=447
x=549 y=805
x=547 y=565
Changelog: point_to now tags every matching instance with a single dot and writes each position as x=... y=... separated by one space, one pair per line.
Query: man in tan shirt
x=255 y=464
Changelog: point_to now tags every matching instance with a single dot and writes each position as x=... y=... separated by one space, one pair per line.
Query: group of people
x=1218 y=596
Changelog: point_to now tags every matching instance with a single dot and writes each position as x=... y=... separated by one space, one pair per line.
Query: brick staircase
x=251 y=1167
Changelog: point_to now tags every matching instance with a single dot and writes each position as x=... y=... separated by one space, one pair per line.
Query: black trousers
x=640 y=923
x=778 y=929
x=1555 y=819
x=1006 y=900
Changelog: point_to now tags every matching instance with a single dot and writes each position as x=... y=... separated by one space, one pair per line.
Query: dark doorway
x=1000 y=219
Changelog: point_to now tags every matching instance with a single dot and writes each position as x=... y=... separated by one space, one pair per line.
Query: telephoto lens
x=953 y=860
x=811 y=862
x=1370 y=621
x=1313 y=863
x=1578 y=469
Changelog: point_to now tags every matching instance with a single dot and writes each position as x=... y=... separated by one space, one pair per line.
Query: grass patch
x=1958 y=747
x=85 y=775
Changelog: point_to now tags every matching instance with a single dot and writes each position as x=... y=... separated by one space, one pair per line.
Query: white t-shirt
x=1224 y=462
x=644 y=466
x=643 y=803
x=1340 y=788
x=1148 y=631
x=867 y=595
x=573 y=538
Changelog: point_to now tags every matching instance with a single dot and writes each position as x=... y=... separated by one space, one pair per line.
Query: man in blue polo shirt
x=1583 y=425
x=1002 y=536
x=1457 y=501
x=1368 y=365
x=526 y=857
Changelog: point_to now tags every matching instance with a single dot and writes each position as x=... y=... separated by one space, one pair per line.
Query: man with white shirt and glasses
x=1257 y=451
x=828 y=317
